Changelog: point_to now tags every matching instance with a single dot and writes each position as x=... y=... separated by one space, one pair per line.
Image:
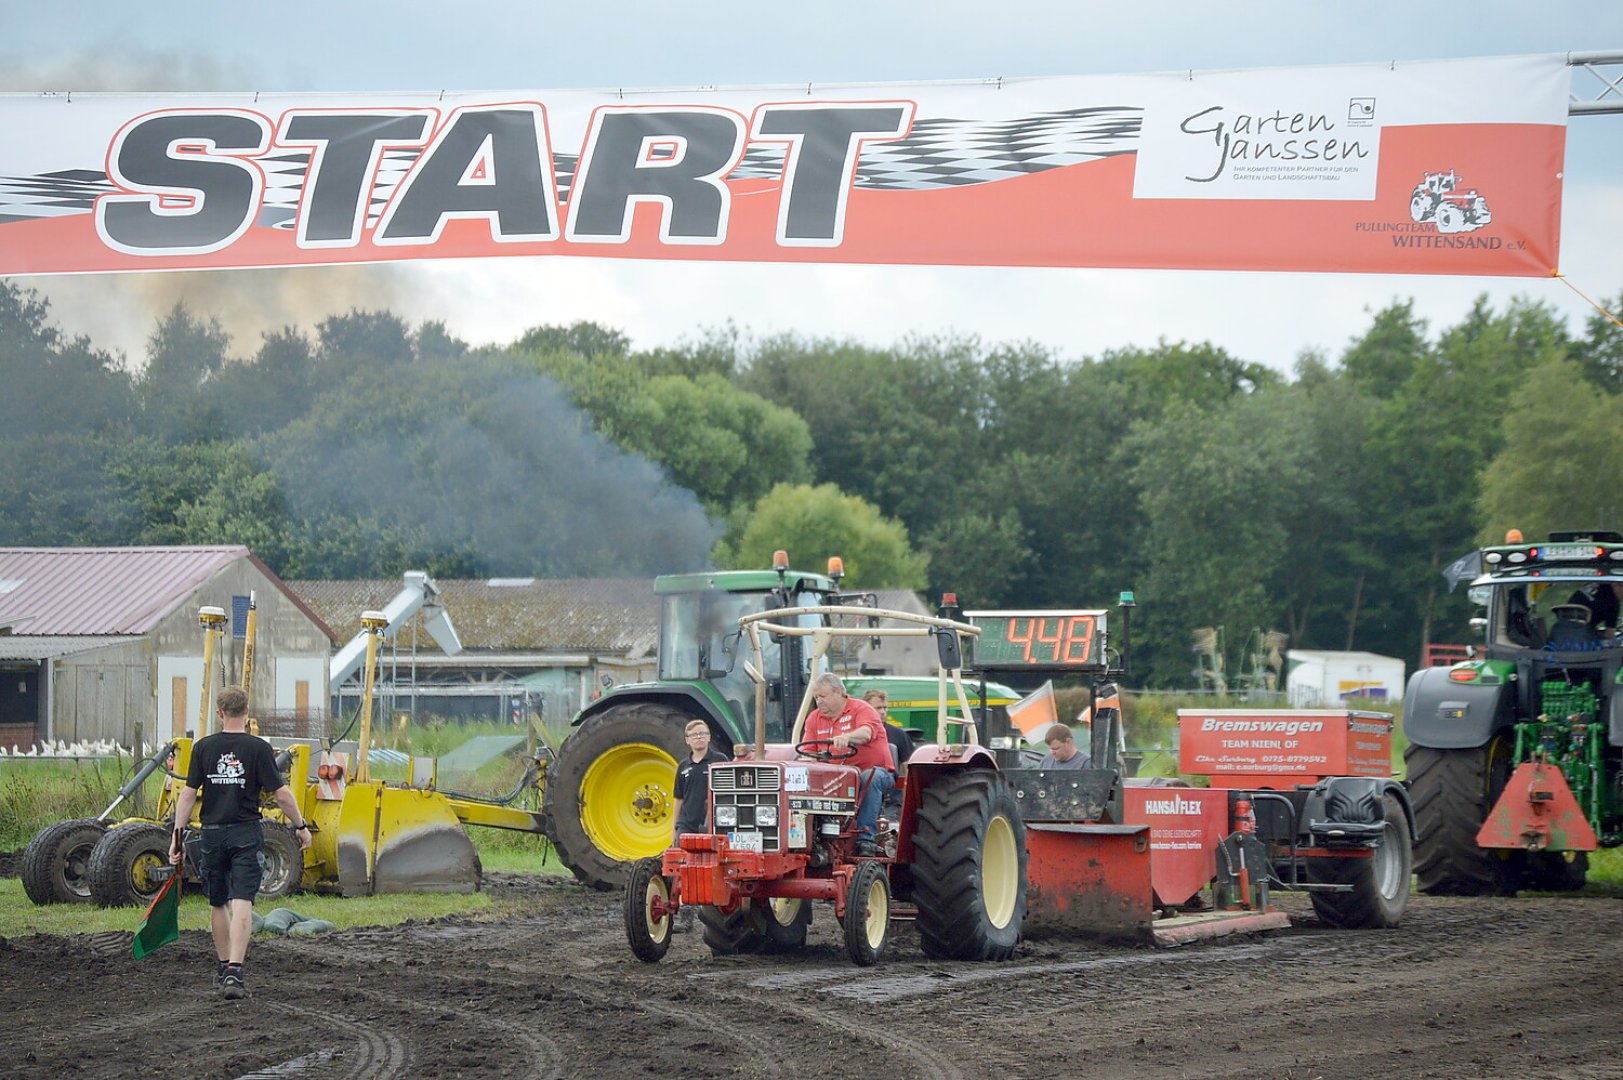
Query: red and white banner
x=1437 y=167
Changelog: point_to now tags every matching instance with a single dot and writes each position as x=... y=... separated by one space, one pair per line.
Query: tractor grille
x=745 y=778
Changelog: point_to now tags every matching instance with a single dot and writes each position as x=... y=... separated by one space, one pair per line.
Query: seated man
x=1602 y=599
x=1063 y=753
x=901 y=744
x=846 y=721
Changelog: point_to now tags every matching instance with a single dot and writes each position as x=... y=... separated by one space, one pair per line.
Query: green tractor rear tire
x=1452 y=792
x=608 y=796
x=969 y=872
x=56 y=864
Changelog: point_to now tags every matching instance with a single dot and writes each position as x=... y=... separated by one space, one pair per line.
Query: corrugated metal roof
x=102 y=590
x=31 y=647
x=598 y=615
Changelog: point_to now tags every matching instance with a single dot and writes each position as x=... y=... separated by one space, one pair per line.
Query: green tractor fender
x=696 y=699
x=1444 y=713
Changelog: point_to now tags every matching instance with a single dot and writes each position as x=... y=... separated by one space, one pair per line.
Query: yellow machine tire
x=608 y=795
x=56 y=863
x=282 y=862
x=121 y=865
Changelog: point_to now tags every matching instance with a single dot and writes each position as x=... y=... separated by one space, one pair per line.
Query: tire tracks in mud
x=382 y=1054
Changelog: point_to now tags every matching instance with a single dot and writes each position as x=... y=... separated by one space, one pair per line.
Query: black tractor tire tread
x=1364 y=907
x=111 y=883
x=1450 y=795
x=863 y=952
x=46 y=859
x=281 y=846
x=730 y=933
x=949 y=844
x=561 y=794
x=779 y=937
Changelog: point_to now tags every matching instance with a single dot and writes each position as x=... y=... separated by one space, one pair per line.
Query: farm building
x=533 y=647
x=530 y=647
x=97 y=643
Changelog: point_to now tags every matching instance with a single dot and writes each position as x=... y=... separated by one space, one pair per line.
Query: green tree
x=1563 y=449
x=184 y=353
x=813 y=523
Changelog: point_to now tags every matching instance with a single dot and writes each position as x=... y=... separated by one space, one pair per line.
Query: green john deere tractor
x=608 y=795
x=1515 y=756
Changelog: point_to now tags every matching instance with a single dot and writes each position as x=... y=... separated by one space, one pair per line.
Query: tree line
x=1323 y=504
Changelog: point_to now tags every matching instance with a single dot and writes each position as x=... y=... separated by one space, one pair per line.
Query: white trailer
x=1317 y=678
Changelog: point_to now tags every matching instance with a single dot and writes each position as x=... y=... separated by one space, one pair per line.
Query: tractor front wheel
x=1452 y=792
x=56 y=864
x=608 y=796
x=1380 y=883
x=867 y=913
x=649 y=934
x=969 y=871
x=123 y=865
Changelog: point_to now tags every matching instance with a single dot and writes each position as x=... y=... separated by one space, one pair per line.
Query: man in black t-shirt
x=693 y=780
x=229 y=770
x=692 y=795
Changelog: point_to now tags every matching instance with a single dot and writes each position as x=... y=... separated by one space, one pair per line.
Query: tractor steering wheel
x=824 y=750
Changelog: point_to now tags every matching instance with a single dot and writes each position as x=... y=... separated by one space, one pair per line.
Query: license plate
x=744 y=841
x=1569 y=551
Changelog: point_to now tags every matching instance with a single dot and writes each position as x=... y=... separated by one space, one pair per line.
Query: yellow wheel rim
x=1000 y=872
x=625 y=801
x=784 y=909
x=658 y=928
x=141 y=872
x=877 y=915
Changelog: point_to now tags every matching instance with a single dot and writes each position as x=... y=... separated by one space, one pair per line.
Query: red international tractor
x=1438 y=200
x=982 y=851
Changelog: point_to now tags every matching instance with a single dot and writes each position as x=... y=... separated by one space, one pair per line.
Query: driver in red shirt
x=850 y=722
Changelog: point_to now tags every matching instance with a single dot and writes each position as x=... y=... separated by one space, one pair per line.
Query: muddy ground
x=1526 y=987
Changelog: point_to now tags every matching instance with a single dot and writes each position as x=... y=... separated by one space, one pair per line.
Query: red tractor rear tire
x=969 y=871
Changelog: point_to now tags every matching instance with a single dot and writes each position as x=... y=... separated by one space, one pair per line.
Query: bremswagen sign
x=1436 y=167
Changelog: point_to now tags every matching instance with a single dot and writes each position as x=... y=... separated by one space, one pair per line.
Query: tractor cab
x=1519 y=749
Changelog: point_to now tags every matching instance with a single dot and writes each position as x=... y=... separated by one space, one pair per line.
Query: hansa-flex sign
x=1447 y=167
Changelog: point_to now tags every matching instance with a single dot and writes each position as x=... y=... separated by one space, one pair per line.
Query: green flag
x=162 y=922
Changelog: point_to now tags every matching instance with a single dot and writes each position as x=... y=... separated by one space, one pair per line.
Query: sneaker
x=867 y=849
x=219 y=974
x=232 y=985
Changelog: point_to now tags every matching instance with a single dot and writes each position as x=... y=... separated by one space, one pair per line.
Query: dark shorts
x=231 y=866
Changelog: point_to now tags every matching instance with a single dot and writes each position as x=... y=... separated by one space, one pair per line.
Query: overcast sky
x=536 y=46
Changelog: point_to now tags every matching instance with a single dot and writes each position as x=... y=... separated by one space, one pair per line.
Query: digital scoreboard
x=1038 y=639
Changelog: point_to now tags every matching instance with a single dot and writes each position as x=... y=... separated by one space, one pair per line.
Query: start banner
x=1435 y=167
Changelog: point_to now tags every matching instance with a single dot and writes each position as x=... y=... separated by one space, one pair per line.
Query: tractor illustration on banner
x=1437 y=199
